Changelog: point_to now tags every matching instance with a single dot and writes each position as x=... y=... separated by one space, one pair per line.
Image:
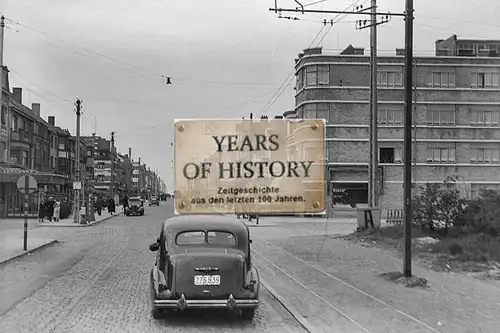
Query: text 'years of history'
x=247 y=169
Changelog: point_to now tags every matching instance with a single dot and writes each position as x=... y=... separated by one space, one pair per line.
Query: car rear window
x=221 y=238
x=190 y=238
x=135 y=202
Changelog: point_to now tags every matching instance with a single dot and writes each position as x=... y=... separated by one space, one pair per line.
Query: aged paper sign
x=249 y=166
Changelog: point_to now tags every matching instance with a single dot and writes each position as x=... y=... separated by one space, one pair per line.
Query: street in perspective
x=214 y=168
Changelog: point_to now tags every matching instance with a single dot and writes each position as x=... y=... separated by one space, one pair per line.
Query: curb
x=38 y=248
x=77 y=225
x=293 y=312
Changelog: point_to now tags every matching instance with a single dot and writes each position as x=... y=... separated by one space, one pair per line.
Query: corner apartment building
x=456 y=107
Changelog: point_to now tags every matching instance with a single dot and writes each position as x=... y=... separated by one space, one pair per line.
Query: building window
x=4 y=115
x=323 y=75
x=310 y=111
x=389 y=79
x=25 y=158
x=441 y=79
x=311 y=75
x=441 y=117
x=485 y=118
x=390 y=117
x=475 y=189
x=485 y=80
x=317 y=75
x=485 y=156
x=390 y=155
x=442 y=155
x=300 y=80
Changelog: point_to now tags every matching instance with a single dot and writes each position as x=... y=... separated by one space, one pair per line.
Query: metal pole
x=76 y=216
x=373 y=108
x=26 y=200
x=408 y=134
x=2 y=31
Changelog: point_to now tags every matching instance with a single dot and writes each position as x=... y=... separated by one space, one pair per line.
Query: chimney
x=52 y=120
x=35 y=107
x=17 y=93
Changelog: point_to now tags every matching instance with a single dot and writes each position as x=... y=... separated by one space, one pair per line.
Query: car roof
x=204 y=222
x=135 y=198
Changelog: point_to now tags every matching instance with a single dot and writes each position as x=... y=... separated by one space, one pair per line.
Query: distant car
x=154 y=201
x=135 y=207
x=203 y=261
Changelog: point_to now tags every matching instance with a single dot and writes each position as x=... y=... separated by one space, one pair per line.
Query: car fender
x=157 y=278
x=253 y=274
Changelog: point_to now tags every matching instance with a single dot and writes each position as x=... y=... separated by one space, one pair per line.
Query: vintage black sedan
x=203 y=261
x=154 y=201
x=135 y=206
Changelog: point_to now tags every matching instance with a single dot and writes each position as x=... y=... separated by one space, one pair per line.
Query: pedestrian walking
x=111 y=206
x=41 y=212
x=57 y=211
x=50 y=208
x=98 y=205
x=125 y=202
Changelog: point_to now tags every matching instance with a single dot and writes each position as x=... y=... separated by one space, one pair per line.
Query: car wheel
x=248 y=314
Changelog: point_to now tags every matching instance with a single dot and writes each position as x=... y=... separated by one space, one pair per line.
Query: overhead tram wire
x=136 y=69
x=275 y=98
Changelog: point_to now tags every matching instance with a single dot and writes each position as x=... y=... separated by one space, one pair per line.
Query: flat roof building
x=456 y=111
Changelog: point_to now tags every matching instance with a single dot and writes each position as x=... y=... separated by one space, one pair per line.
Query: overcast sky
x=227 y=58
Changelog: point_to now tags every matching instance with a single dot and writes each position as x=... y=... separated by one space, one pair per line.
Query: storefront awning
x=11 y=175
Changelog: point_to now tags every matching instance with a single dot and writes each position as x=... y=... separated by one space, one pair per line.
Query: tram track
x=326 y=291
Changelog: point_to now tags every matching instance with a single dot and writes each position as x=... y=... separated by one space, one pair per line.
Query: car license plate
x=207 y=280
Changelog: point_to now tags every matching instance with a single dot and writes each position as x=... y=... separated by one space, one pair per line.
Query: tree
x=425 y=205
x=437 y=204
x=450 y=204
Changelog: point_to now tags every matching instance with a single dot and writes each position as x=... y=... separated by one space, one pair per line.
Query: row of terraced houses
x=29 y=143
x=456 y=113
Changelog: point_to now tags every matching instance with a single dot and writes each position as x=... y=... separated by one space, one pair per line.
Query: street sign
x=249 y=166
x=32 y=184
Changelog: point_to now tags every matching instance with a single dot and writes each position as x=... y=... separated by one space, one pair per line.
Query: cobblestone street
x=96 y=280
x=336 y=285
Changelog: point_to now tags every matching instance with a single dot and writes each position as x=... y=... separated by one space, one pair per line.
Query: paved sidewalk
x=12 y=235
x=69 y=221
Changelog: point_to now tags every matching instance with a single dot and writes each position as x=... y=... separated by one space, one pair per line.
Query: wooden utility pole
x=407 y=180
x=407 y=183
x=2 y=32
x=374 y=155
x=374 y=109
x=76 y=215
x=112 y=183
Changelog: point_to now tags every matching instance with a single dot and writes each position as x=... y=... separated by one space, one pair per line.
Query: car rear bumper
x=183 y=303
